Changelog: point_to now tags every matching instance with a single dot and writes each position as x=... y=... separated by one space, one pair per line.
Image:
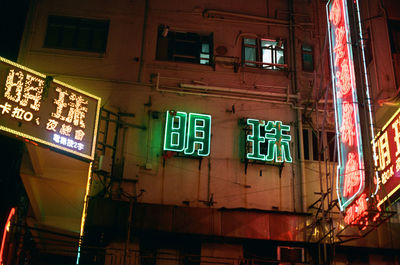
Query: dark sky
x=12 y=22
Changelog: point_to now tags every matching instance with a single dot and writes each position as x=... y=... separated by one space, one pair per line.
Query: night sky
x=12 y=21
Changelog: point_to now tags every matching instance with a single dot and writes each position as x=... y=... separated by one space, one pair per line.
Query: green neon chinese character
x=175 y=131
x=278 y=144
x=199 y=132
x=255 y=139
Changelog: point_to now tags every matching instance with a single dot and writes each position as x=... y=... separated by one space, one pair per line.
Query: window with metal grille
x=310 y=145
x=184 y=46
x=264 y=53
x=80 y=34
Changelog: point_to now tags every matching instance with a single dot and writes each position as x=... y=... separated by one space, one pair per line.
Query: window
x=79 y=34
x=307 y=58
x=368 y=46
x=184 y=46
x=310 y=144
x=263 y=53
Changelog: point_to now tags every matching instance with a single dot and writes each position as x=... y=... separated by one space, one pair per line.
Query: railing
x=116 y=256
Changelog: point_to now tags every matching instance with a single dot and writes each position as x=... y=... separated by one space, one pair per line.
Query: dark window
x=368 y=46
x=331 y=139
x=328 y=145
x=307 y=58
x=305 y=145
x=183 y=46
x=315 y=146
x=79 y=34
x=263 y=53
x=394 y=32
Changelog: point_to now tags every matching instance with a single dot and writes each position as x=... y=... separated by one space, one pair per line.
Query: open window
x=181 y=46
x=264 y=53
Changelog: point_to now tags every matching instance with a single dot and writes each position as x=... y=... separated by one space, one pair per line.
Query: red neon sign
x=6 y=230
x=350 y=174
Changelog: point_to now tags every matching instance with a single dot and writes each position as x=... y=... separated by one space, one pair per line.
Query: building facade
x=216 y=139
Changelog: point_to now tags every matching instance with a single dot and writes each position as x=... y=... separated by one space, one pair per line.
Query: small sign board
x=47 y=111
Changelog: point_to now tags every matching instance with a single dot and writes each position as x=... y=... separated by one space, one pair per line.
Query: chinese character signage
x=268 y=141
x=47 y=111
x=350 y=171
x=387 y=144
x=188 y=134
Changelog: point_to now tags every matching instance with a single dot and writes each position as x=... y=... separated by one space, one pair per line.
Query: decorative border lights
x=47 y=111
x=387 y=145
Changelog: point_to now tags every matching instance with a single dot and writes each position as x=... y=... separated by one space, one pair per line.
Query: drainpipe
x=292 y=41
x=146 y=11
x=302 y=168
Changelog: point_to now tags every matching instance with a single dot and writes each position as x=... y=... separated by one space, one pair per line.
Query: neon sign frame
x=347 y=113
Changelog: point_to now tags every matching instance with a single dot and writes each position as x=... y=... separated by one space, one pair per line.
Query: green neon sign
x=175 y=131
x=190 y=135
x=255 y=139
x=278 y=149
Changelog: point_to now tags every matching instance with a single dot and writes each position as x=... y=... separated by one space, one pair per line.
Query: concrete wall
x=131 y=83
x=114 y=77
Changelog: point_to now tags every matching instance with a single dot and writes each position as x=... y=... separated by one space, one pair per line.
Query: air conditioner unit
x=291 y=254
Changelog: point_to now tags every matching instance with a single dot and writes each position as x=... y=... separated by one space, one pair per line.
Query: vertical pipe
x=302 y=165
x=146 y=7
x=209 y=179
x=292 y=44
x=128 y=232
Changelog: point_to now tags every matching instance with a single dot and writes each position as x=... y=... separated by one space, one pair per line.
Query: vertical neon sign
x=350 y=171
x=6 y=231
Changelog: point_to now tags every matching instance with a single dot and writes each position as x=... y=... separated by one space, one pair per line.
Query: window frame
x=259 y=54
x=303 y=53
x=310 y=145
x=56 y=35
x=169 y=42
